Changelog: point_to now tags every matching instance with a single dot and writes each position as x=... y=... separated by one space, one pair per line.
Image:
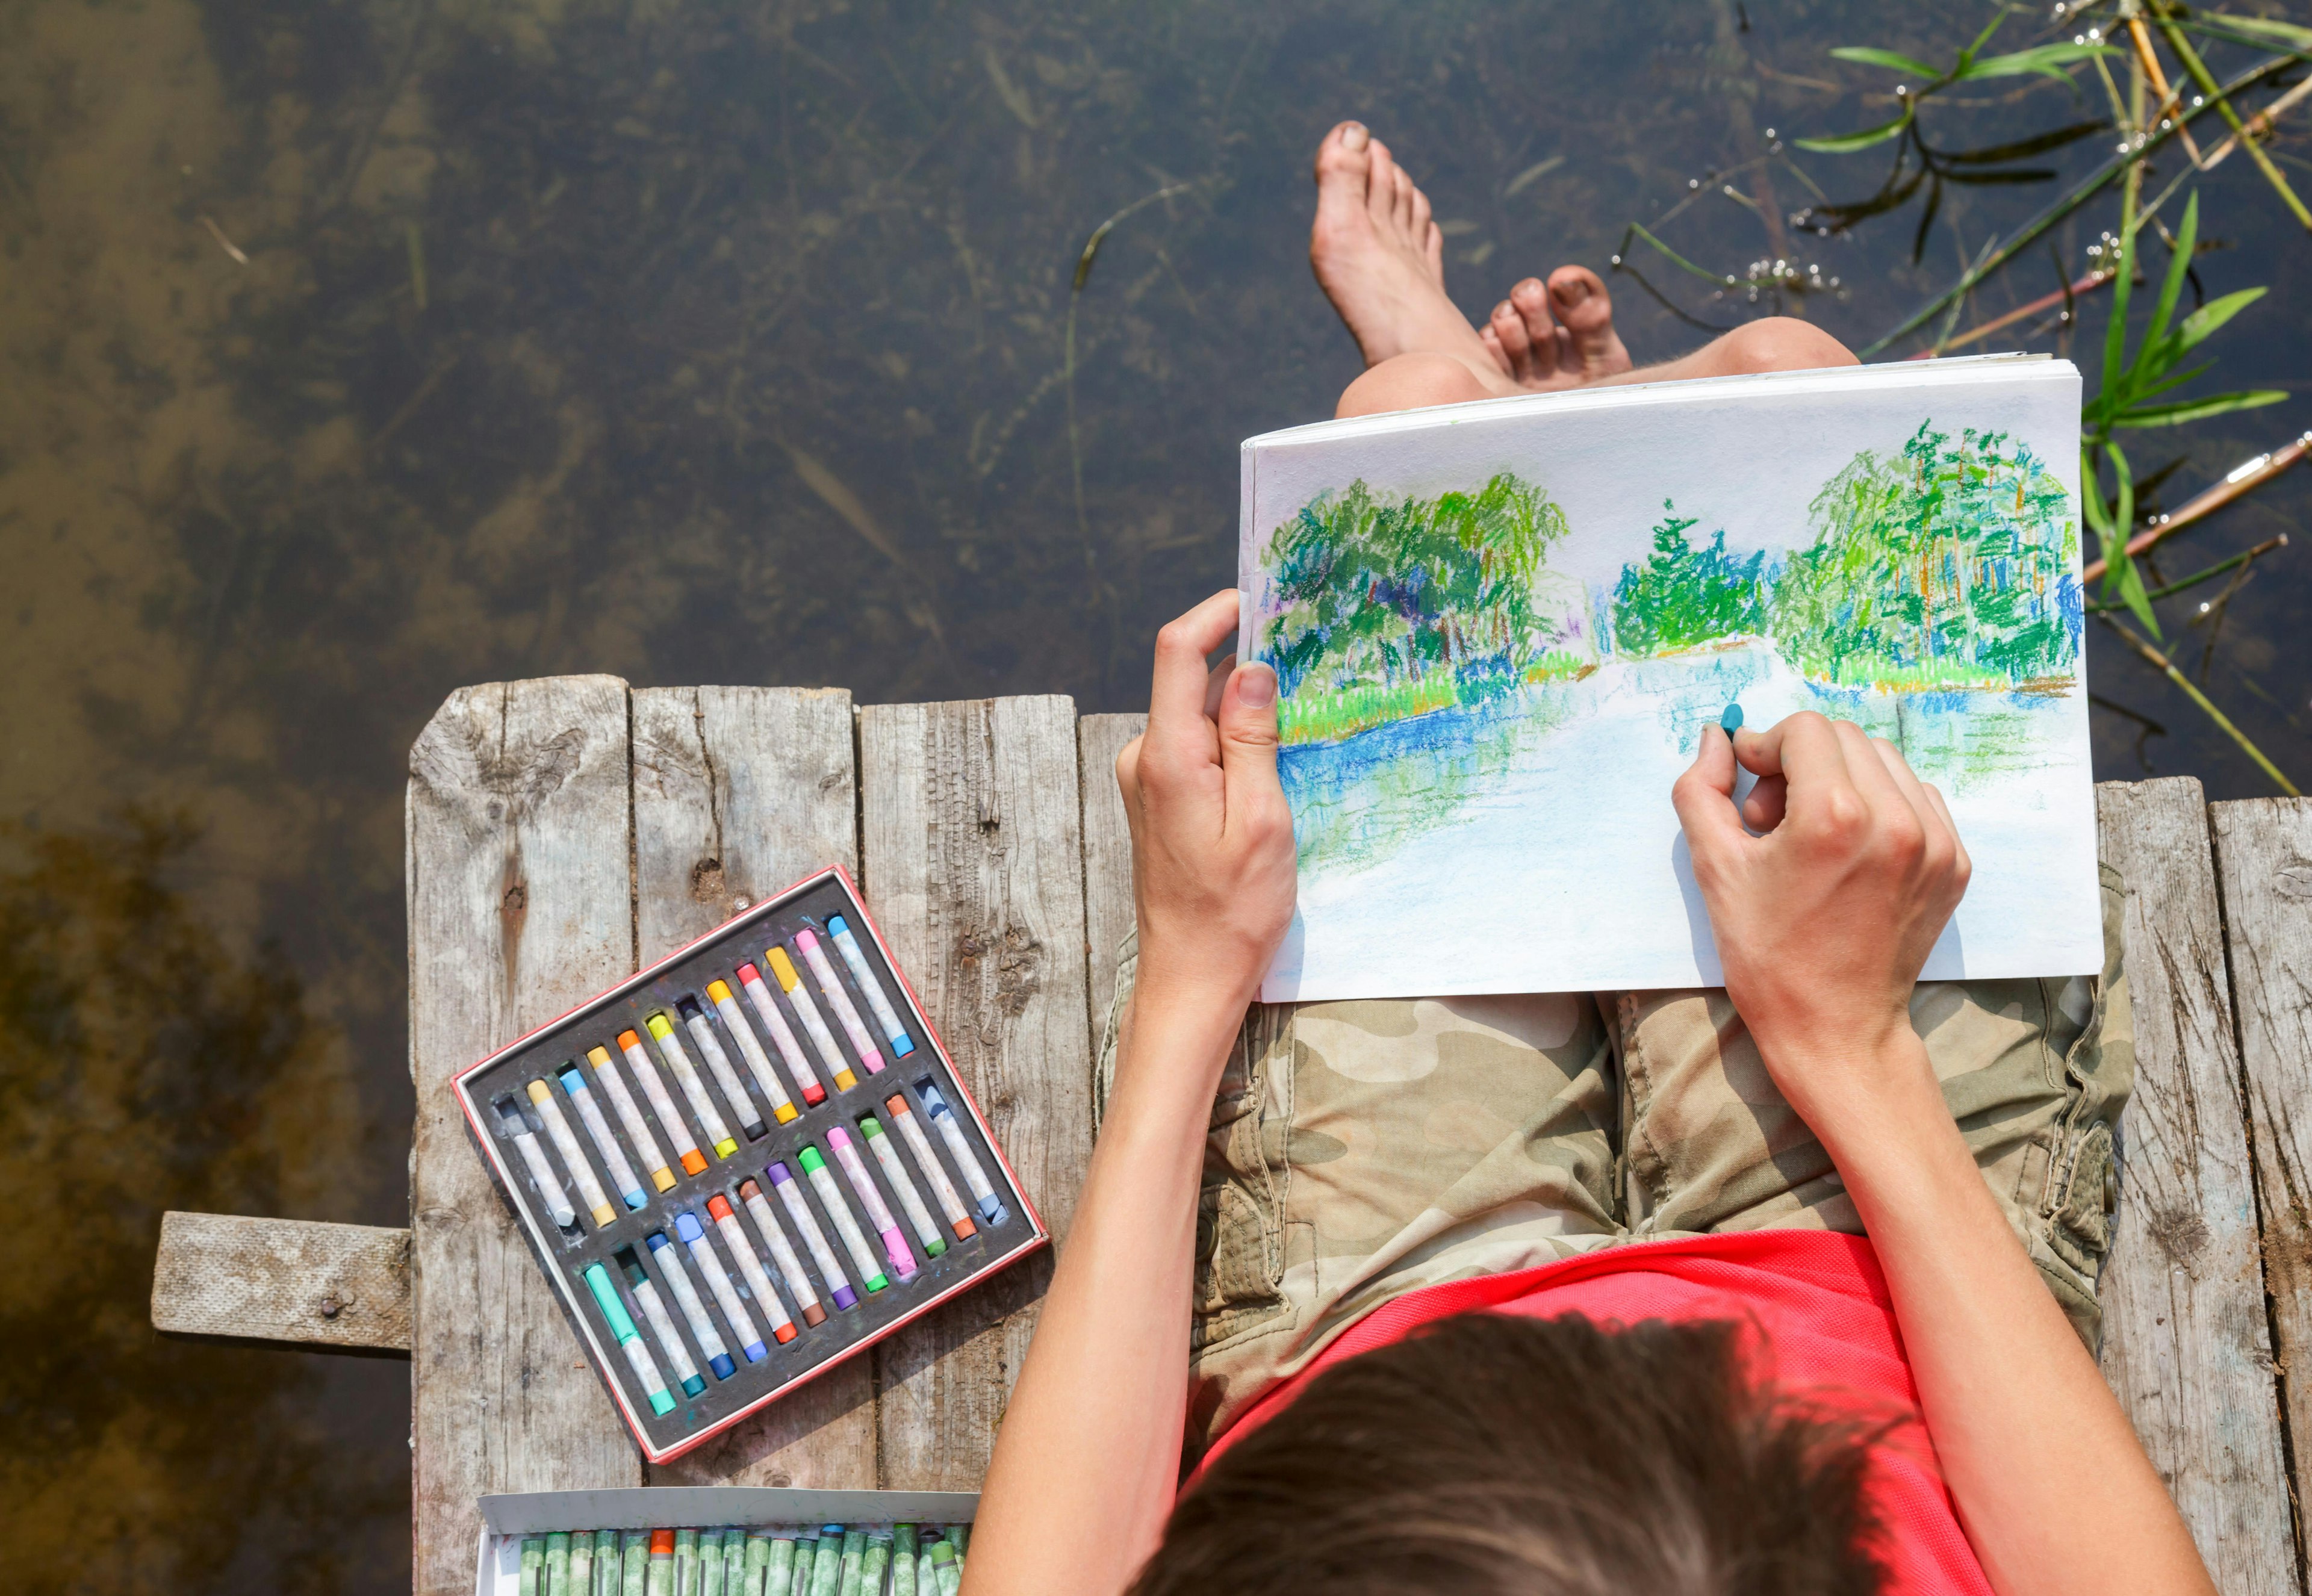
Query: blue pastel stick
x=1731 y=721
x=902 y=1044
x=983 y=1194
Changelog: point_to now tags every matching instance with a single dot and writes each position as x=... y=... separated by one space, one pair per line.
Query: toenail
x=1353 y=136
x=1572 y=292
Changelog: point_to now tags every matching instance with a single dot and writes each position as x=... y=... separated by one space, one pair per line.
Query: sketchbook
x=1499 y=628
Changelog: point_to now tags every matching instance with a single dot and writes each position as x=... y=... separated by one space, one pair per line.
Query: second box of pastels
x=746 y=1163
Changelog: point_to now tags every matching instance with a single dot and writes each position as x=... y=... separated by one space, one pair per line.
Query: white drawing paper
x=1500 y=627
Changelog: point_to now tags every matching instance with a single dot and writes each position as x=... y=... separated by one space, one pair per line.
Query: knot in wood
x=706 y=881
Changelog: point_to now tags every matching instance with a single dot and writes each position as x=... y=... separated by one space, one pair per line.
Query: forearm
x=2018 y=1412
x=1087 y=1462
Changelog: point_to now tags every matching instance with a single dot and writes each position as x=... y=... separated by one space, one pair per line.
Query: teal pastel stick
x=634 y=1558
x=1731 y=721
x=607 y=1577
x=827 y=1563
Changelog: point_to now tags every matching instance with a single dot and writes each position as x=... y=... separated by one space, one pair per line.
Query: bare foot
x=1381 y=259
x=1560 y=336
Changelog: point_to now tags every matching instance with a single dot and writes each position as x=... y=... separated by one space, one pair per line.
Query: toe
x=1419 y=216
x=1508 y=327
x=1381 y=182
x=1432 y=250
x=1528 y=302
x=1492 y=343
x=1343 y=166
x=1401 y=205
x=1586 y=312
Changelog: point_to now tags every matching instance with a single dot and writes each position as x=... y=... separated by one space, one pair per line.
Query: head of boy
x=1491 y=1455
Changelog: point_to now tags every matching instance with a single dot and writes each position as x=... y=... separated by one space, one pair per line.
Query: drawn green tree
x=1684 y=594
x=1945 y=565
x=1369 y=590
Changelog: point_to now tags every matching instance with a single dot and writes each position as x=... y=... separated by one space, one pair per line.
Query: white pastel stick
x=534 y=1154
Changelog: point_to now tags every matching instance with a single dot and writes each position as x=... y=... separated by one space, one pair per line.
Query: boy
x=1787 y=1288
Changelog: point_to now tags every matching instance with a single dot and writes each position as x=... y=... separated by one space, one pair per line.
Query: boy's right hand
x=1824 y=922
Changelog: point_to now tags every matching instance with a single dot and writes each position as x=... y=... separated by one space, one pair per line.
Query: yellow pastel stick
x=807 y=1013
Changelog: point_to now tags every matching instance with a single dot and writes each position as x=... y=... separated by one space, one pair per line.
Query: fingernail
x=1256 y=686
x=1353 y=136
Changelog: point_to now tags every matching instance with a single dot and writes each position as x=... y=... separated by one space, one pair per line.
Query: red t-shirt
x=1825 y=1329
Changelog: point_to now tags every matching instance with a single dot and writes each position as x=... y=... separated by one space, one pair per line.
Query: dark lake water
x=357 y=350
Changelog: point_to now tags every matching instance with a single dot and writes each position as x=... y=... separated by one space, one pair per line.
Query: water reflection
x=359 y=349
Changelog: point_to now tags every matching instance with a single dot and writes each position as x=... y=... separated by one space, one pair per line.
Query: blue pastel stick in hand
x=1731 y=721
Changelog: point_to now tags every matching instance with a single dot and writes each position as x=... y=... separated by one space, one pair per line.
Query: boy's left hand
x=1213 y=858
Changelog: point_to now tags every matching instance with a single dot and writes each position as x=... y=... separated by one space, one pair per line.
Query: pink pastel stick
x=878 y=1215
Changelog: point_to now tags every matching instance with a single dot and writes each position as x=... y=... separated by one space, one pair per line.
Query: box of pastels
x=724 y=1540
x=746 y=1163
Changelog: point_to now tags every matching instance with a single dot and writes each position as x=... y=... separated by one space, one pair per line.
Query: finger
x=1766 y=804
x=1247 y=726
x=1214 y=685
x=1703 y=798
x=1963 y=864
x=1177 y=726
x=1803 y=749
x=1870 y=776
x=1913 y=790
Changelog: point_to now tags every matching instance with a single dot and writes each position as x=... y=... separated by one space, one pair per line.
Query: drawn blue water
x=1551 y=822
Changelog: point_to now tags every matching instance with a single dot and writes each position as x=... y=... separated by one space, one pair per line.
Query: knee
x=1410 y=382
x=1782 y=344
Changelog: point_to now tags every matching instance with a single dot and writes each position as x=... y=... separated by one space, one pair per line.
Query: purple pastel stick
x=814 y=1239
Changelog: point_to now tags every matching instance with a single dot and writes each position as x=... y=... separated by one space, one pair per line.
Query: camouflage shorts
x=1360 y=1150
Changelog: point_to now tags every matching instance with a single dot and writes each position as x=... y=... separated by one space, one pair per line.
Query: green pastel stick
x=558 y=1563
x=957 y=1535
x=875 y=1564
x=826 y=1561
x=710 y=1563
x=943 y=1568
x=686 y=1563
x=903 y=1560
x=778 y=1578
x=761 y=1548
x=659 y=1580
x=634 y=1559
x=855 y=1553
x=806 y=1554
x=581 y=1564
x=608 y=1580
x=533 y=1562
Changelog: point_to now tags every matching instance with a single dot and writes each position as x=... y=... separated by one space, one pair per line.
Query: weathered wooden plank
x=1107 y=855
x=2264 y=858
x=324 y=1286
x=2185 y=1343
x=972 y=841
x=738 y=792
x=518 y=883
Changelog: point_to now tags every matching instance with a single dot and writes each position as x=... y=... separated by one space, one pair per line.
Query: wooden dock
x=562 y=832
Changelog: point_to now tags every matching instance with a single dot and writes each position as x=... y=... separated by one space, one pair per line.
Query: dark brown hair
x=1489 y=1454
